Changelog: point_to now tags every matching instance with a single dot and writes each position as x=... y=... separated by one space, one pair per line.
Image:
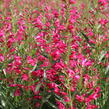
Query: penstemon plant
x=54 y=54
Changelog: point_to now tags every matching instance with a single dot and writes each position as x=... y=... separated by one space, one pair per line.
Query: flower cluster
x=56 y=55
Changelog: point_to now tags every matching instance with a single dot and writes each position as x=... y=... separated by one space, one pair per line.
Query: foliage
x=54 y=54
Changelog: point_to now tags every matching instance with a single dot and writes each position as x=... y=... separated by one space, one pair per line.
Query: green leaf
x=102 y=55
x=52 y=105
x=38 y=87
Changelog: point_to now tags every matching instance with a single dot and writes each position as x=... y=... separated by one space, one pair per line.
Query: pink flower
x=55 y=13
x=37 y=105
x=60 y=105
x=77 y=77
x=11 y=40
x=47 y=24
x=72 y=1
x=64 y=93
x=12 y=49
x=13 y=85
x=17 y=60
x=93 y=96
x=85 y=62
x=73 y=63
x=80 y=98
x=92 y=106
x=66 y=99
x=19 y=35
x=38 y=23
x=59 y=65
x=54 y=86
x=72 y=89
x=17 y=92
x=61 y=46
x=45 y=64
x=71 y=73
x=55 y=54
x=1 y=58
x=90 y=33
x=103 y=2
x=25 y=77
x=103 y=21
x=38 y=73
x=31 y=61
